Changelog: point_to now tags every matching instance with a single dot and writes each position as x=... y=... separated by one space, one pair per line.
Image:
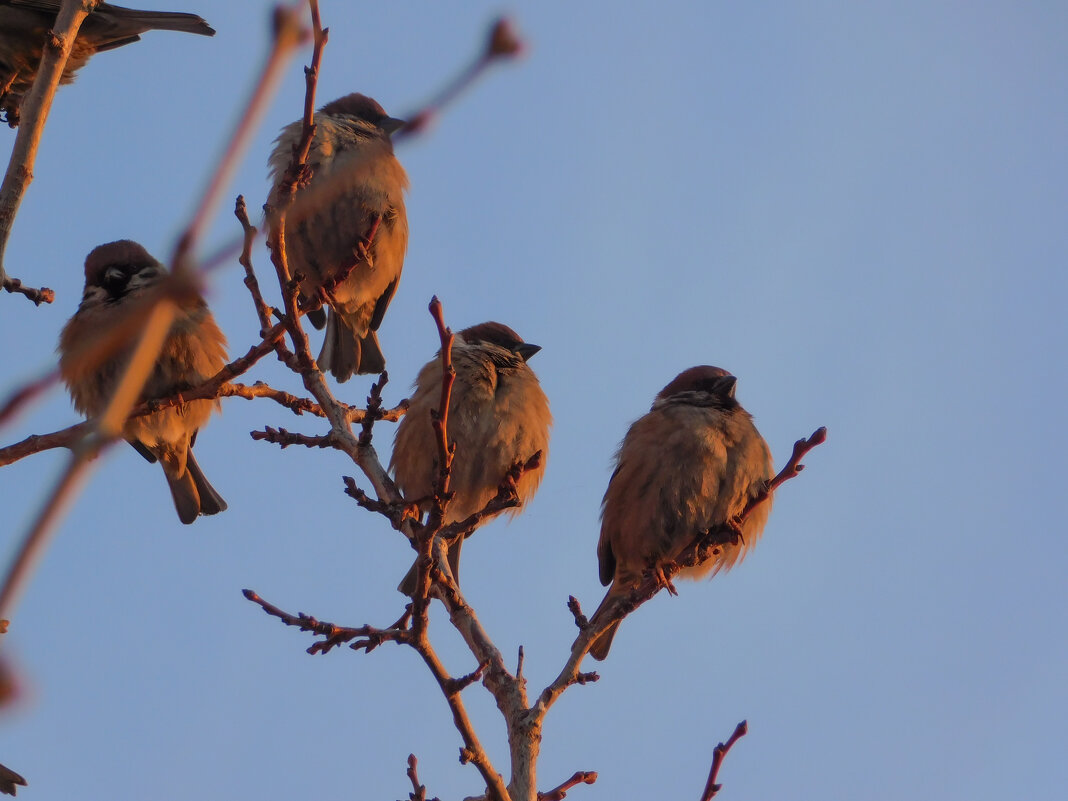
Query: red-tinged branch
x=38 y=296
x=332 y=635
x=263 y=311
x=279 y=436
x=792 y=469
x=368 y=638
x=440 y=418
x=418 y=790
x=311 y=81
x=25 y=394
x=396 y=513
x=472 y=751
x=374 y=409
x=507 y=497
x=502 y=42
x=559 y=793
x=719 y=753
x=36 y=443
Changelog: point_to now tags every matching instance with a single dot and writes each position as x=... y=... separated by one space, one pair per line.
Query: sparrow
x=498 y=415
x=691 y=464
x=348 y=211
x=116 y=275
x=24 y=25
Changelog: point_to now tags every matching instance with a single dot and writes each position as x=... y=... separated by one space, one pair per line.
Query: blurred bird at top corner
x=24 y=24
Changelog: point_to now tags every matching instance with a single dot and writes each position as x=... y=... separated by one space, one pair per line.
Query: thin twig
x=559 y=793
x=718 y=755
x=374 y=408
x=332 y=635
x=263 y=311
x=279 y=436
x=418 y=790
x=502 y=42
x=25 y=394
x=440 y=418
x=38 y=296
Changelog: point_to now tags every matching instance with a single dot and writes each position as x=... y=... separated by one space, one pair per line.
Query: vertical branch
x=36 y=105
x=440 y=420
x=472 y=751
x=718 y=755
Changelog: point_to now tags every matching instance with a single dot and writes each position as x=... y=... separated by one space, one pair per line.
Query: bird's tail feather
x=211 y=502
x=169 y=21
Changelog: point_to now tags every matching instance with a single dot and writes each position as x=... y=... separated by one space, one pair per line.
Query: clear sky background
x=857 y=208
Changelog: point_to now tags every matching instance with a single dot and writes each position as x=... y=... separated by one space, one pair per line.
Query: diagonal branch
x=718 y=755
x=559 y=793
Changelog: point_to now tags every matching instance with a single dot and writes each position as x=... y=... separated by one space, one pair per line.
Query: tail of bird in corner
x=166 y=21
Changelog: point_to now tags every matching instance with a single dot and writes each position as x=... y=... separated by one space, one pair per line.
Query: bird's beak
x=728 y=383
x=391 y=125
x=526 y=350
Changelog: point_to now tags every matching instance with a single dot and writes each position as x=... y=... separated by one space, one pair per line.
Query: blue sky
x=858 y=209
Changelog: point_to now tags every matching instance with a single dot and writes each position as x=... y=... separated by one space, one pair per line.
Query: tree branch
x=718 y=755
x=559 y=792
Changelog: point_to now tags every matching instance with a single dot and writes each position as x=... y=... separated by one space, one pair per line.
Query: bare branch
x=15 y=286
x=718 y=755
x=792 y=469
x=418 y=791
x=374 y=408
x=25 y=394
x=263 y=311
x=332 y=635
x=440 y=419
x=560 y=792
x=279 y=436
x=501 y=43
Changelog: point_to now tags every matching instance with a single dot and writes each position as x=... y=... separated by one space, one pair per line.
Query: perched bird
x=116 y=275
x=349 y=212
x=498 y=415
x=25 y=23
x=691 y=464
x=10 y=781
